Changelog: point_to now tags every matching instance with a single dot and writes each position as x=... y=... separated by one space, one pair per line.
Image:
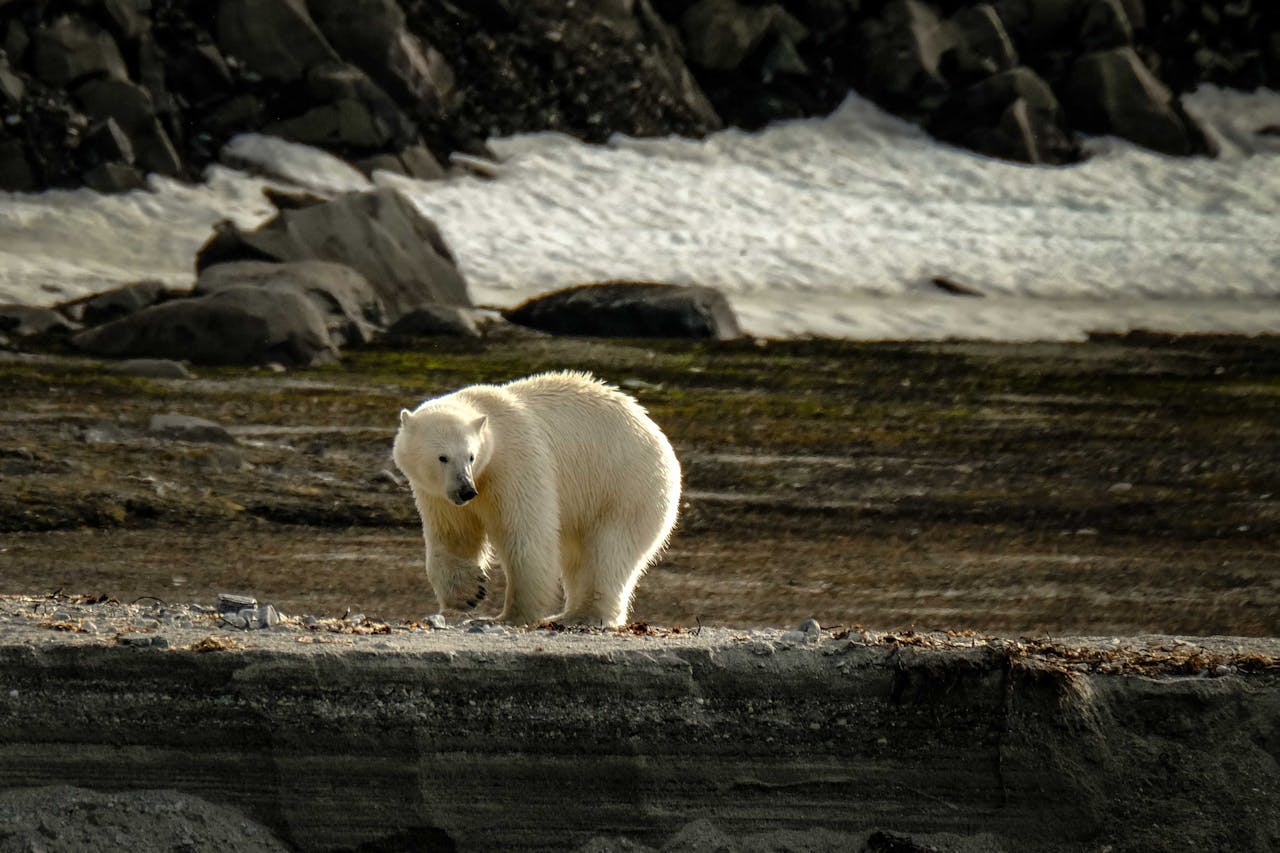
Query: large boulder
x=71 y=48
x=133 y=110
x=1013 y=115
x=373 y=35
x=351 y=113
x=1113 y=92
x=380 y=234
x=900 y=52
x=980 y=46
x=244 y=324
x=630 y=310
x=352 y=309
x=720 y=34
x=113 y=304
x=275 y=39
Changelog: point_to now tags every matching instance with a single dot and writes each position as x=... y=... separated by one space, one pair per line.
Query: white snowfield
x=821 y=227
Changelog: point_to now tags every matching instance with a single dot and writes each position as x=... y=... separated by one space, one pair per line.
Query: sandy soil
x=1122 y=486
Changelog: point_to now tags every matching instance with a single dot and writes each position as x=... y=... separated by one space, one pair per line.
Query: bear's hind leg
x=599 y=592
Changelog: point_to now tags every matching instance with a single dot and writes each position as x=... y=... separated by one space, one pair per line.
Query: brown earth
x=1122 y=486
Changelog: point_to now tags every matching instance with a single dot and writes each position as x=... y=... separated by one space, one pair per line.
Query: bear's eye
x=471 y=458
x=444 y=458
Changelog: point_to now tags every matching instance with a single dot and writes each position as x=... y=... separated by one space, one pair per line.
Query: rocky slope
x=101 y=92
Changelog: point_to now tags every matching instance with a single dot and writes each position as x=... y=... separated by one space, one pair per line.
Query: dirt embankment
x=1116 y=487
x=351 y=734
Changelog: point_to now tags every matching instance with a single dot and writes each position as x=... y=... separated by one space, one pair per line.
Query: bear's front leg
x=459 y=582
x=531 y=556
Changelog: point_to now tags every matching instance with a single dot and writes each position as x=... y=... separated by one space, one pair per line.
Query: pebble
x=189 y=428
x=229 y=602
x=437 y=621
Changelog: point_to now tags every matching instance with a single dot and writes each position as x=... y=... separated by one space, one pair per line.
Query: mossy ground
x=1123 y=485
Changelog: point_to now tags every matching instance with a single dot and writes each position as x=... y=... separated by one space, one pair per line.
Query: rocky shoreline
x=102 y=93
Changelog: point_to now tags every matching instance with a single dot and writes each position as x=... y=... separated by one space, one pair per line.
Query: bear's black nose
x=466 y=493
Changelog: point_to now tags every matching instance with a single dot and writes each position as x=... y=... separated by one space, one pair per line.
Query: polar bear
x=565 y=480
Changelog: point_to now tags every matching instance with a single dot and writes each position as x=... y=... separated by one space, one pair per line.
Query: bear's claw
x=478 y=597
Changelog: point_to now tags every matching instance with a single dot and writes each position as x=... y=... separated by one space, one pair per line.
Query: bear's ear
x=404 y=417
x=478 y=424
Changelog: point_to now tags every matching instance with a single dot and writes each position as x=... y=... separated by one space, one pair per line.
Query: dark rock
x=16 y=41
x=275 y=39
x=352 y=113
x=71 y=48
x=238 y=325
x=16 y=174
x=1036 y=24
x=352 y=309
x=126 y=17
x=113 y=304
x=431 y=321
x=373 y=34
x=133 y=109
x=981 y=46
x=1104 y=25
x=720 y=34
x=1113 y=92
x=189 y=428
x=111 y=178
x=105 y=142
x=27 y=321
x=900 y=52
x=380 y=234
x=627 y=309
x=1013 y=115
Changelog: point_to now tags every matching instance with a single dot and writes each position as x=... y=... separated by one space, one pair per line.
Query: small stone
x=356 y=618
x=188 y=428
x=141 y=640
x=232 y=603
x=437 y=621
x=151 y=368
x=268 y=616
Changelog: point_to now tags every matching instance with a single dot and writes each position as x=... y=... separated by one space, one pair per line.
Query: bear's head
x=442 y=450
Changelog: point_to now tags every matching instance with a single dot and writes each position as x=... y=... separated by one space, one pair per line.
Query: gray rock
x=71 y=47
x=26 y=321
x=133 y=109
x=150 y=368
x=627 y=309
x=380 y=234
x=237 y=325
x=435 y=320
x=437 y=621
x=232 y=602
x=273 y=38
x=415 y=161
x=113 y=304
x=1113 y=92
x=352 y=309
x=12 y=87
x=190 y=428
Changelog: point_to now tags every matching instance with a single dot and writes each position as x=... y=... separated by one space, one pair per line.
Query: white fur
x=577 y=490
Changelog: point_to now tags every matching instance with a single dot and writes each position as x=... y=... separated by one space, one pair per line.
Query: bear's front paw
x=460 y=600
